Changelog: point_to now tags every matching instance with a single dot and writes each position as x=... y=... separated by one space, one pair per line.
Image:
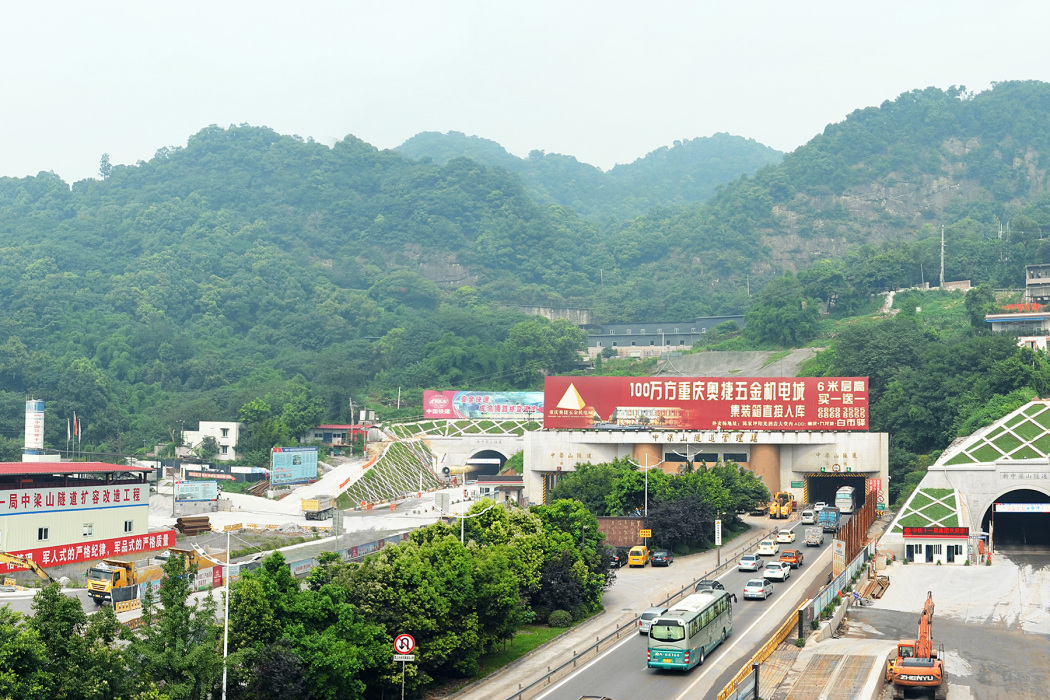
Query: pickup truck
x=814 y=536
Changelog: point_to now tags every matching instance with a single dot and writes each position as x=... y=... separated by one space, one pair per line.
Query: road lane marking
x=739 y=639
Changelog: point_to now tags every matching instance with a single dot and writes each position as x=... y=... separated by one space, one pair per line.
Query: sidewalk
x=622 y=606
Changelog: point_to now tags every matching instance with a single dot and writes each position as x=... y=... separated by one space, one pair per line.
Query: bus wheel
x=701 y=661
x=723 y=636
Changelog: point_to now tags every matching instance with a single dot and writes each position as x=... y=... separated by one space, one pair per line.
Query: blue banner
x=293 y=465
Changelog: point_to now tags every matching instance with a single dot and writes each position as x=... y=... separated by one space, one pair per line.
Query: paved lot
x=993 y=622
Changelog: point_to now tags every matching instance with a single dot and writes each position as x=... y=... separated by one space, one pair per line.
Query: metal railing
x=558 y=672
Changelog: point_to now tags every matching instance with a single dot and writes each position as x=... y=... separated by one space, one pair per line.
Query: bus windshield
x=667 y=632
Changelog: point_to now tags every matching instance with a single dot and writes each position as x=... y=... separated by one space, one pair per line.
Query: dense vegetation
x=259 y=276
x=682 y=508
x=333 y=638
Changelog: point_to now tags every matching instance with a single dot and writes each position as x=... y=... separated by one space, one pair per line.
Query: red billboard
x=706 y=403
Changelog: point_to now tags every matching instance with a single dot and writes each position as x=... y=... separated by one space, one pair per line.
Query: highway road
x=621 y=673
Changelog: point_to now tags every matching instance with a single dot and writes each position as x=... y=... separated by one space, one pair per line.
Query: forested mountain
x=250 y=265
x=685 y=174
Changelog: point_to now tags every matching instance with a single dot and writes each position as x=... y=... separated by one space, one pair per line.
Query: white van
x=809 y=517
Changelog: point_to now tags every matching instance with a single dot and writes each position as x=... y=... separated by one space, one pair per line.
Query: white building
x=62 y=513
x=226 y=434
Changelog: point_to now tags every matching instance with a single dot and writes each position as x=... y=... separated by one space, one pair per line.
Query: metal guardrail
x=594 y=650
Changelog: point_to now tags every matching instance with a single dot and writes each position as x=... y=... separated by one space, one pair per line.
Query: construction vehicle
x=115 y=573
x=781 y=505
x=320 y=508
x=915 y=663
x=27 y=563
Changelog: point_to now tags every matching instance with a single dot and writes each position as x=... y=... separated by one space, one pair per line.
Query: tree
x=206 y=449
x=23 y=659
x=104 y=167
x=181 y=652
x=978 y=303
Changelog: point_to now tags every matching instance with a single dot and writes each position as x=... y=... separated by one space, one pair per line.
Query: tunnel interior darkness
x=497 y=463
x=823 y=488
x=1019 y=529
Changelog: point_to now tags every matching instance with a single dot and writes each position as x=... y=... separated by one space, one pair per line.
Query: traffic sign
x=404 y=644
x=404 y=657
x=718 y=533
x=645 y=533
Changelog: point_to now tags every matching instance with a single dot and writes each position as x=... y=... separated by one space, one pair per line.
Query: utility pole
x=942 y=256
x=351 y=398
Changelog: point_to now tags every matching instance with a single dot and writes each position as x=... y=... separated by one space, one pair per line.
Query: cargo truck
x=829 y=519
x=814 y=537
x=320 y=508
x=115 y=573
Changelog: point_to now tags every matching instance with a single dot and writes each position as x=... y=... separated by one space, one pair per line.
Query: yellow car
x=638 y=556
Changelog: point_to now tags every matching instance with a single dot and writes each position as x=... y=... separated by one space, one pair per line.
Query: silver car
x=758 y=588
x=645 y=620
x=749 y=562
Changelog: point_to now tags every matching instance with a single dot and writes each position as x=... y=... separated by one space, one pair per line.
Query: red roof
x=17 y=468
x=342 y=427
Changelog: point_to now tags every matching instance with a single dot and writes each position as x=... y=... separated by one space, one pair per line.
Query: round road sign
x=835 y=467
x=404 y=644
x=882 y=496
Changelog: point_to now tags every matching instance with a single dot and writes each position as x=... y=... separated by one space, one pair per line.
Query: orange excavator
x=916 y=664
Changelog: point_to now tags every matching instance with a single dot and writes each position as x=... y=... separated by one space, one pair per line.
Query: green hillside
x=684 y=174
x=257 y=275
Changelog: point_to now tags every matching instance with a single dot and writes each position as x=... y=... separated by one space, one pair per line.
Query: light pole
x=351 y=398
x=226 y=627
x=463 y=519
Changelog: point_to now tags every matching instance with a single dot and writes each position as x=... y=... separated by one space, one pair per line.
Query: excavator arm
x=924 y=645
x=26 y=563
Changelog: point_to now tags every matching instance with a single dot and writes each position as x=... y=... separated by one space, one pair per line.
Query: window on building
x=658 y=330
x=681 y=342
x=652 y=342
x=612 y=331
x=692 y=330
x=708 y=457
x=936 y=549
x=614 y=344
x=628 y=331
x=633 y=343
x=703 y=330
x=599 y=344
x=641 y=330
x=226 y=449
x=226 y=432
x=89 y=529
x=129 y=526
x=42 y=534
x=675 y=330
x=735 y=457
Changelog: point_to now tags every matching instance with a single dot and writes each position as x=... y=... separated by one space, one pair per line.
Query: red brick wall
x=621 y=532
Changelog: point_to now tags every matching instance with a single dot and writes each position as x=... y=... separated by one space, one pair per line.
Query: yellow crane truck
x=781 y=505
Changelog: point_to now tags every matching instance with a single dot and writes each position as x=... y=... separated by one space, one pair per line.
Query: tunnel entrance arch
x=1024 y=521
x=822 y=487
x=485 y=462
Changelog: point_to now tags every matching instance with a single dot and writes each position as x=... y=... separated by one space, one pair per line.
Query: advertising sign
x=937 y=532
x=483 y=404
x=293 y=465
x=196 y=490
x=718 y=533
x=704 y=403
x=1022 y=507
x=99 y=549
x=73 y=498
x=211 y=475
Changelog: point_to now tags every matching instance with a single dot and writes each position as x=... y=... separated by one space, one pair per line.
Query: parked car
x=758 y=588
x=619 y=558
x=819 y=506
x=791 y=557
x=768 y=548
x=749 y=562
x=708 y=585
x=776 y=571
x=785 y=536
x=662 y=557
x=638 y=556
x=645 y=620
x=809 y=517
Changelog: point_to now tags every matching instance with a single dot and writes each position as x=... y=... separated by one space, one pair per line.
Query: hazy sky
x=605 y=81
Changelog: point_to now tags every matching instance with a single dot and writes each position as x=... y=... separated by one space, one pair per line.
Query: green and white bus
x=684 y=635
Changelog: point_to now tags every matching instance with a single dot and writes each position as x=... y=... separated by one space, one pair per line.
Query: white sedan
x=777 y=571
x=768 y=548
x=785 y=536
x=819 y=506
